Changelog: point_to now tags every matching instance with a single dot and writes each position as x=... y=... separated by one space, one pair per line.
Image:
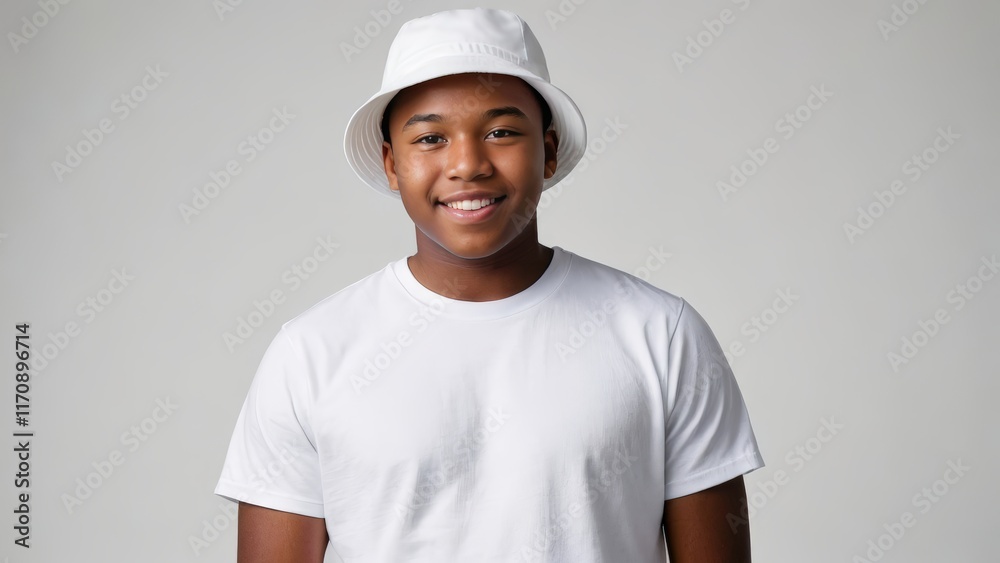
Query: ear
x=551 y=142
x=389 y=161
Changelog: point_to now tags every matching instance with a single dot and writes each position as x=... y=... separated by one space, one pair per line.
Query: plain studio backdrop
x=818 y=178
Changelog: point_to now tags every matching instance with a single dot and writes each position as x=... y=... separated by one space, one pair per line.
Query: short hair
x=546 y=114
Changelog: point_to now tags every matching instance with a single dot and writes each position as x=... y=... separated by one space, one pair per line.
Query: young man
x=488 y=398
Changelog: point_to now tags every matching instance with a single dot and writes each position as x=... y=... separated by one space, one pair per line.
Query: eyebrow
x=487 y=115
x=504 y=111
x=422 y=118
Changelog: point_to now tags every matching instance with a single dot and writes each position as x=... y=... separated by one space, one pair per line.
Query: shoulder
x=593 y=280
x=356 y=301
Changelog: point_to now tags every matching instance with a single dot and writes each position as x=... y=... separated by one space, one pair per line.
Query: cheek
x=528 y=162
x=525 y=169
x=414 y=167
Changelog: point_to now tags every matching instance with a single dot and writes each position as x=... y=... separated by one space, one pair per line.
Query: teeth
x=471 y=204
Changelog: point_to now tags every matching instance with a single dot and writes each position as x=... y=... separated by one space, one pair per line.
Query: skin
x=464 y=147
x=272 y=536
x=697 y=530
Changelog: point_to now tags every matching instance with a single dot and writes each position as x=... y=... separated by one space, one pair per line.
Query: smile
x=473 y=204
x=473 y=210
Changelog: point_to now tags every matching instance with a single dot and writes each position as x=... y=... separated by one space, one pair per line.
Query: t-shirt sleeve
x=272 y=460
x=709 y=439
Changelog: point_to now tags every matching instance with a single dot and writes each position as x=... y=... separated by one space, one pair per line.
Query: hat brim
x=363 y=138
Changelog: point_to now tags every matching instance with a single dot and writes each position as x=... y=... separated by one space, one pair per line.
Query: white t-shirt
x=547 y=426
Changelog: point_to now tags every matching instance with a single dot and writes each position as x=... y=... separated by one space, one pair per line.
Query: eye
x=502 y=133
x=430 y=139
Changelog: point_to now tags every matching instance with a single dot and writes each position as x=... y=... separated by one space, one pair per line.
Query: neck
x=506 y=272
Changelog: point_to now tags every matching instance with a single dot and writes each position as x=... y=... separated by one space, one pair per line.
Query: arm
x=272 y=536
x=696 y=528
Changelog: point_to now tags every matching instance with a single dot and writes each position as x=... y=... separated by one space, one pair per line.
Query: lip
x=472 y=215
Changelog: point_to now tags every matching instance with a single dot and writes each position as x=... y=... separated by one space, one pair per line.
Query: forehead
x=448 y=94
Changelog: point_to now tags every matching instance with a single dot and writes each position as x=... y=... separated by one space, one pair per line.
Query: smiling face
x=468 y=158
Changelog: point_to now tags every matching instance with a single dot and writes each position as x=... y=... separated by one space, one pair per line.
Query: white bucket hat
x=456 y=42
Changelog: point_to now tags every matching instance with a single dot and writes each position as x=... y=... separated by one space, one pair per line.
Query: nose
x=468 y=159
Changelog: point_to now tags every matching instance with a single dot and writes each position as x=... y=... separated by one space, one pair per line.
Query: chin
x=473 y=252
x=473 y=249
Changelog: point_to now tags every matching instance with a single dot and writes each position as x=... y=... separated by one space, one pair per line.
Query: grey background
x=655 y=185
